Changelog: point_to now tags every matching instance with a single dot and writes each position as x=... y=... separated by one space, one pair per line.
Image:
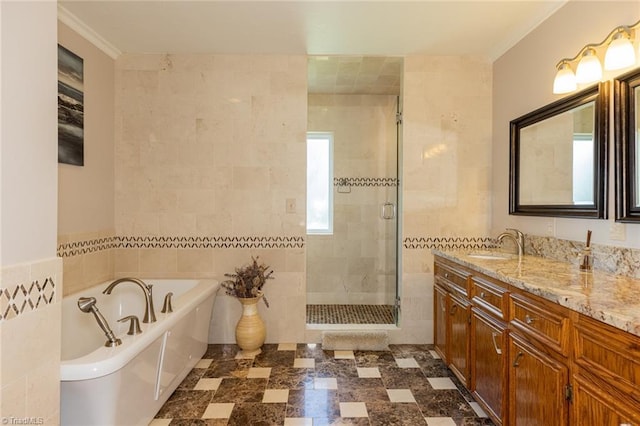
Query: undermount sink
x=490 y=255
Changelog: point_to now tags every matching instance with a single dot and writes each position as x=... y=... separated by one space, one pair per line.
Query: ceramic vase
x=250 y=330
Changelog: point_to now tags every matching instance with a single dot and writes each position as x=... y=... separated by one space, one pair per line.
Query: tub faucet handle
x=166 y=306
x=134 y=325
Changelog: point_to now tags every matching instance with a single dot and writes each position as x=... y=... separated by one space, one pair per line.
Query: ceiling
x=354 y=46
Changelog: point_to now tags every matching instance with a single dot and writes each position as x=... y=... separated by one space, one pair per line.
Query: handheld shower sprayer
x=88 y=304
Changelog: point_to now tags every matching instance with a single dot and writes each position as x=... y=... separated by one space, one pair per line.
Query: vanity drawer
x=453 y=278
x=490 y=296
x=609 y=353
x=541 y=320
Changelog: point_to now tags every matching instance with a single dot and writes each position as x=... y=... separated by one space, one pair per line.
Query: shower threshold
x=350 y=314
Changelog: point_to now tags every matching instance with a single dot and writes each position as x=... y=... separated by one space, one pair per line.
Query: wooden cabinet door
x=440 y=322
x=537 y=386
x=459 y=318
x=594 y=406
x=489 y=364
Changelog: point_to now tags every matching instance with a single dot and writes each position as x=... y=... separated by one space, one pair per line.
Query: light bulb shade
x=620 y=53
x=589 y=68
x=565 y=80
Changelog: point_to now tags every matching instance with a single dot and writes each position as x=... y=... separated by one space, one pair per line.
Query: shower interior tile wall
x=353 y=265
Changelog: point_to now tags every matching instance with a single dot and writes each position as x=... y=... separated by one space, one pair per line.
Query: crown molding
x=87 y=32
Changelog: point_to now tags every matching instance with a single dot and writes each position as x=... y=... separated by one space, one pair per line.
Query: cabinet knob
x=446 y=275
x=482 y=294
x=454 y=308
x=528 y=319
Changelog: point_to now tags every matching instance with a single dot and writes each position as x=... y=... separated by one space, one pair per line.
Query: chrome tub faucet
x=149 y=313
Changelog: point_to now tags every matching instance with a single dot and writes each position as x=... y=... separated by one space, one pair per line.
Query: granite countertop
x=612 y=299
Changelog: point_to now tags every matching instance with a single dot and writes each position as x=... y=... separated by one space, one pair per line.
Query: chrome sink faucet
x=149 y=313
x=516 y=236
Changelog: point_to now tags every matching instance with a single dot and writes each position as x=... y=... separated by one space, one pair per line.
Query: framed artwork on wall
x=70 y=108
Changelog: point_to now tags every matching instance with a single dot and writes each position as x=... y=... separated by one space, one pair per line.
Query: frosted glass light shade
x=589 y=68
x=565 y=80
x=620 y=53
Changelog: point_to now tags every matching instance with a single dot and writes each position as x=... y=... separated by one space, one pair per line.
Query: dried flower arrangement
x=248 y=280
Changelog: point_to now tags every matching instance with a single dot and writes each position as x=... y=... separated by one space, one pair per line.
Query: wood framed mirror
x=558 y=157
x=626 y=91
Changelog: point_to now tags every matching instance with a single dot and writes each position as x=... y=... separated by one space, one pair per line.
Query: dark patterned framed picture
x=70 y=108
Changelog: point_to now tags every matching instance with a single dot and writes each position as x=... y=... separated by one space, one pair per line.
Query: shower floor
x=350 y=314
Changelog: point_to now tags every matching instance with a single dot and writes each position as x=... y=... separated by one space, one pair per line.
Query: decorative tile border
x=24 y=298
x=210 y=242
x=449 y=243
x=363 y=181
x=77 y=248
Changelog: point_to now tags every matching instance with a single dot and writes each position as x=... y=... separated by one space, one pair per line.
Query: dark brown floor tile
x=351 y=383
x=344 y=368
x=443 y=403
x=474 y=421
x=198 y=422
x=314 y=351
x=257 y=414
x=291 y=378
x=409 y=350
x=374 y=358
x=434 y=369
x=192 y=379
x=363 y=395
x=356 y=421
x=394 y=414
x=272 y=358
x=322 y=403
x=240 y=390
x=403 y=378
x=221 y=352
x=185 y=404
x=229 y=368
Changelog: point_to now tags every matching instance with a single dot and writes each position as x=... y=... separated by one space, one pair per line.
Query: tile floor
x=300 y=384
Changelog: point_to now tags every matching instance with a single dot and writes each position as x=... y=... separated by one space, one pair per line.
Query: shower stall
x=352 y=261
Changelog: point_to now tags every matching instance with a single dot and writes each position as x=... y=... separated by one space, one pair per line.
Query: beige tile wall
x=214 y=146
x=30 y=342
x=87 y=259
x=446 y=170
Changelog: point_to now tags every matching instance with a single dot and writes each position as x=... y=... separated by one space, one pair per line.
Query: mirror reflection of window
x=583 y=150
x=557 y=159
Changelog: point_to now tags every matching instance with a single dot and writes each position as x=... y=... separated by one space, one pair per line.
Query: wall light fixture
x=618 y=52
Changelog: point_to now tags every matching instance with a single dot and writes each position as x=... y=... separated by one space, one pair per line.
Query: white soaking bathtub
x=127 y=384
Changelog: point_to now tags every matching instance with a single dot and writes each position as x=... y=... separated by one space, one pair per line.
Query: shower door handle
x=388 y=211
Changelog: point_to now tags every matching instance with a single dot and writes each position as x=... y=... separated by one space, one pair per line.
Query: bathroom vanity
x=536 y=341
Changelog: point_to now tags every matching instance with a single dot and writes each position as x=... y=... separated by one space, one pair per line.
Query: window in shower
x=320 y=183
